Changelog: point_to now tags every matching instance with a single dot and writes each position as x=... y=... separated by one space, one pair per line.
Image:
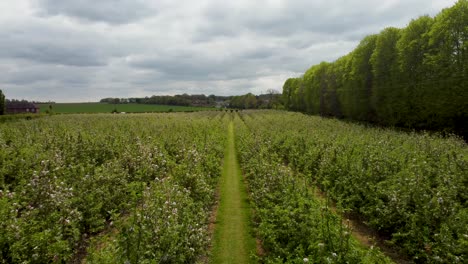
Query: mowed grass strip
x=233 y=240
x=65 y=108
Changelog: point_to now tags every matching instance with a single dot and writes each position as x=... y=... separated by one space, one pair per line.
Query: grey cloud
x=185 y=64
x=32 y=74
x=179 y=66
x=51 y=91
x=58 y=52
x=322 y=17
x=196 y=68
x=110 y=11
x=285 y=21
x=259 y=54
x=49 y=44
x=218 y=87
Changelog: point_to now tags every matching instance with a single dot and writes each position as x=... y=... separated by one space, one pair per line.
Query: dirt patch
x=366 y=235
x=260 y=250
x=211 y=226
x=370 y=237
x=214 y=213
x=81 y=252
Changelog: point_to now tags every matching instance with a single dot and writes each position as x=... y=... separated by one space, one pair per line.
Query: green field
x=233 y=240
x=143 y=188
x=66 y=108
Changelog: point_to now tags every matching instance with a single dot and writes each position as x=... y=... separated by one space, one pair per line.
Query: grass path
x=233 y=240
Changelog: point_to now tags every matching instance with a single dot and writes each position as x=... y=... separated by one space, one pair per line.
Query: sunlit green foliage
x=150 y=178
x=411 y=187
x=2 y=103
x=293 y=225
x=140 y=187
x=414 y=77
x=76 y=108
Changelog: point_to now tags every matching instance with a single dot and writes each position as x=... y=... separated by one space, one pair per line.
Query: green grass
x=16 y=117
x=233 y=240
x=65 y=108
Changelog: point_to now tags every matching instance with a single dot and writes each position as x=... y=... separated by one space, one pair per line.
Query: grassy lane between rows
x=292 y=223
x=233 y=240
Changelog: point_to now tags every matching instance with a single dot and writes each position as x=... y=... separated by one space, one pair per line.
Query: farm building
x=21 y=108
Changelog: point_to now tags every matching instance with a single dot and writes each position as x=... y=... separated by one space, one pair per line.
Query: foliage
x=293 y=225
x=179 y=100
x=411 y=187
x=66 y=108
x=2 y=103
x=142 y=186
x=414 y=77
x=151 y=178
x=248 y=101
x=17 y=117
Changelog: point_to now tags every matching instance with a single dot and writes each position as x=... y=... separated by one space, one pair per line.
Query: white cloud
x=86 y=50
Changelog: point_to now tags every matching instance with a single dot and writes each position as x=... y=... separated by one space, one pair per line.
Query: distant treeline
x=415 y=77
x=179 y=100
x=24 y=101
x=272 y=100
x=248 y=101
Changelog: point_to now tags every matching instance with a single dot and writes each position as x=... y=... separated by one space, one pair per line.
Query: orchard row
x=146 y=182
x=412 y=188
x=141 y=188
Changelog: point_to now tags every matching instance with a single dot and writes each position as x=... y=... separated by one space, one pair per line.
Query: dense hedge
x=415 y=77
x=147 y=181
x=410 y=187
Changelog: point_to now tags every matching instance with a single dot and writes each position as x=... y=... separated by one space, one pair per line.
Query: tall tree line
x=2 y=103
x=414 y=77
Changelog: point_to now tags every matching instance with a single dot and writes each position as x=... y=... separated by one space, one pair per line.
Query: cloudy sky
x=85 y=50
